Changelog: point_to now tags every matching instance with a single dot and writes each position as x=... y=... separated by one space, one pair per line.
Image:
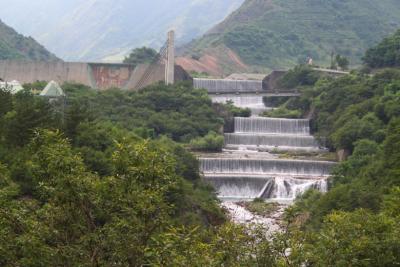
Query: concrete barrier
x=100 y=76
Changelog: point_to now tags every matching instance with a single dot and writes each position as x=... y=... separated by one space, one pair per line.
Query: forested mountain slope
x=17 y=46
x=279 y=34
x=96 y=29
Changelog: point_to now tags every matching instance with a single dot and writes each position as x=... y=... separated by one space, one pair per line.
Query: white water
x=270 y=142
x=277 y=188
x=251 y=101
x=245 y=173
x=304 y=168
x=272 y=126
x=218 y=86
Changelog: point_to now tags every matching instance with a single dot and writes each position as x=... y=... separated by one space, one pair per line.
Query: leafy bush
x=260 y=207
x=212 y=142
x=283 y=112
x=299 y=76
x=237 y=111
x=141 y=55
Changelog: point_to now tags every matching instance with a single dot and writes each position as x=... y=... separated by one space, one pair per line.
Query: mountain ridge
x=108 y=30
x=16 y=46
x=271 y=34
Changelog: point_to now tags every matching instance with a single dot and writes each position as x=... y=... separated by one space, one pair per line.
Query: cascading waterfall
x=271 y=141
x=272 y=126
x=273 y=188
x=304 y=168
x=290 y=188
x=239 y=100
x=271 y=134
x=252 y=101
x=240 y=175
x=241 y=187
x=218 y=86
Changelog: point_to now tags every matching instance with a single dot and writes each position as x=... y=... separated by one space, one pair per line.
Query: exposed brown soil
x=235 y=58
x=206 y=63
x=217 y=62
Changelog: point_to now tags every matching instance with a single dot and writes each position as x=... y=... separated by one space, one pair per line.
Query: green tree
x=385 y=54
x=141 y=55
x=29 y=112
x=212 y=142
x=5 y=102
x=342 y=62
x=355 y=239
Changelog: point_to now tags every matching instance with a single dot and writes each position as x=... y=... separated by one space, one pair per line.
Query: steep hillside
x=280 y=34
x=109 y=29
x=17 y=46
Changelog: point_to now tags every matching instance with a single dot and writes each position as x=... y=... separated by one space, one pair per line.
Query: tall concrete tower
x=170 y=63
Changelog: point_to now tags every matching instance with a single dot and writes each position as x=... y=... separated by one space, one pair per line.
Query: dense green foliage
x=279 y=34
x=299 y=76
x=360 y=114
x=107 y=197
x=179 y=112
x=141 y=55
x=385 y=54
x=16 y=46
x=342 y=62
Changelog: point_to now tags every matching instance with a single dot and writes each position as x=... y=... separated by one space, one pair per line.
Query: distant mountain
x=108 y=29
x=17 y=46
x=271 y=34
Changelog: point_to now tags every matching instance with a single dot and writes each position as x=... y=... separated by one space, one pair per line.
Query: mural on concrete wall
x=106 y=76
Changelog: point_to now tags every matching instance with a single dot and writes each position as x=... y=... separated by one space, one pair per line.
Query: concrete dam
x=100 y=76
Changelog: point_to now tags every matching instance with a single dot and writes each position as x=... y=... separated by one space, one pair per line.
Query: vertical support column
x=170 y=64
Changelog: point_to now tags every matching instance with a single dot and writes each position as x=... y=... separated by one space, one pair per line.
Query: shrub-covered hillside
x=16 y=46
x=280 y=34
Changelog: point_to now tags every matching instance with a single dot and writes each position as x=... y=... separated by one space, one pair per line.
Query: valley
x=201 y=159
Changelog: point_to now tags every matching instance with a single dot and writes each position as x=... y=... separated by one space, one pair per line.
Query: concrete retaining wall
x=96 y=75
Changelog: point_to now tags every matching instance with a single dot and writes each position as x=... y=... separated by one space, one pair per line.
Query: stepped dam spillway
x=219 y=86
x=271 y=141
x=245 y=171
x=304 y=168
x=270 y=134
x=272 y=125
x=253 y=102
x=251 y=187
